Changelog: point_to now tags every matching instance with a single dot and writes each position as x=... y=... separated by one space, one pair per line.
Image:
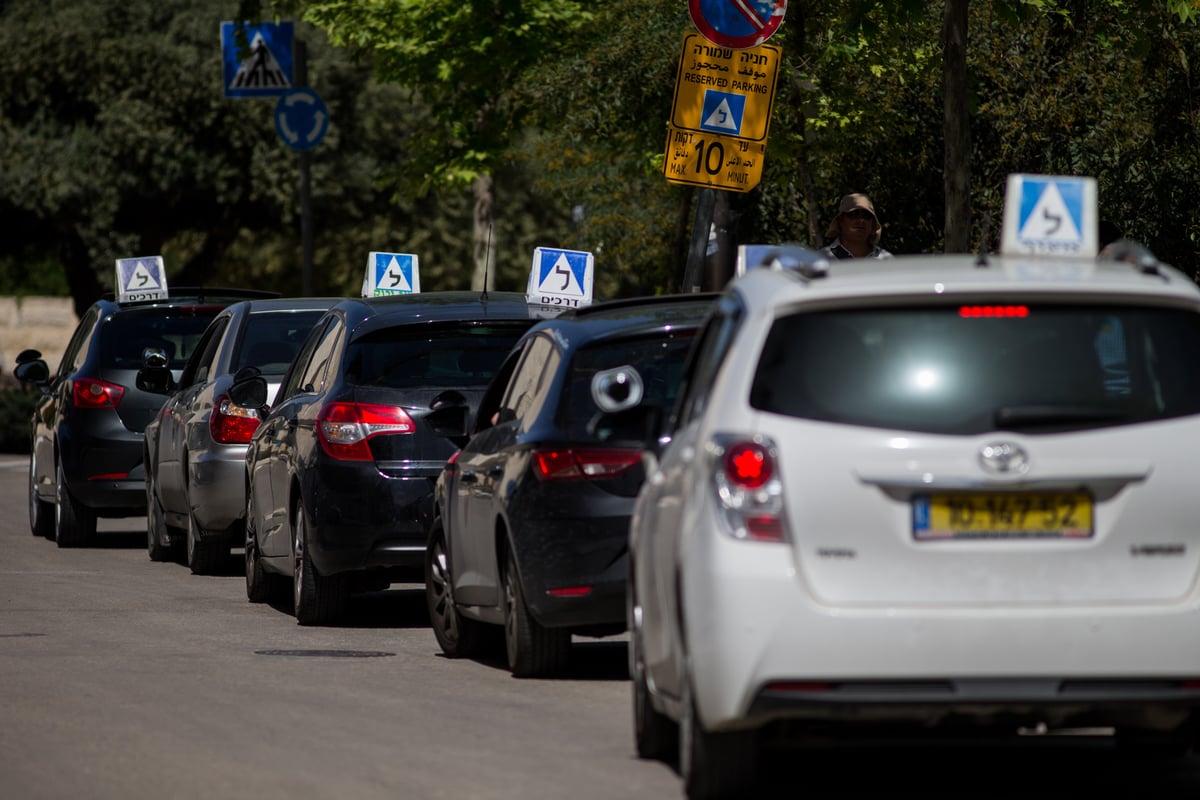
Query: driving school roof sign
x=737 y=23
x=1050 y=215
x=142 y=278
x=391 y=273
x=561 y=278
x=264 y=68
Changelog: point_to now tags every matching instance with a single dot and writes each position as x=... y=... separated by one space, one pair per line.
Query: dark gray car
x=195 y=447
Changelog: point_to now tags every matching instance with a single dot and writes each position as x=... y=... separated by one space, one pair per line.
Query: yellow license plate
x=1003 y=515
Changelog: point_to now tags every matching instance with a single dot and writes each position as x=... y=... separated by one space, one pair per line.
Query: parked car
x=932 y=493
x=340 y=473
x=87 y=430
x=531 y=523
x=195 y=448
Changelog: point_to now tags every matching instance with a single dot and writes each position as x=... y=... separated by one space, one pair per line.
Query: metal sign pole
x=306 y=221
x=705 y=201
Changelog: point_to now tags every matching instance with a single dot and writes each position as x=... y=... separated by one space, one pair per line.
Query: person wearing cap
x=855 y=230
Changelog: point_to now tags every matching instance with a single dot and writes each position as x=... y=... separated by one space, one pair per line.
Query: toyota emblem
x=1004 y=458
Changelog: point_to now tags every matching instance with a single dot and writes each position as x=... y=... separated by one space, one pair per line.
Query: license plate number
x=1003 y=515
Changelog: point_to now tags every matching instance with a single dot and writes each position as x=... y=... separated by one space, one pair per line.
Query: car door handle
x=467 y=476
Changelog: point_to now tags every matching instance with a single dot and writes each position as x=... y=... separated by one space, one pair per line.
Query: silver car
x=195 y=447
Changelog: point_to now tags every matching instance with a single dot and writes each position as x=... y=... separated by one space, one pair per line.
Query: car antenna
x=486 y=254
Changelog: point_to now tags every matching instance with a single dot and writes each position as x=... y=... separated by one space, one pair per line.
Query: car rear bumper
x=217 y=486
x=574 y=572
x=361 y=519
x=760 y=648
x=105 y=474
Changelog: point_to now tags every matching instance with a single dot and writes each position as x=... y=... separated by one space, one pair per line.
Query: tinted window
x=659 y=361
x=413 y=356
x=707 y=357
x=271 y=340
x=199 y=368
x=175 y=331
x=938 y=370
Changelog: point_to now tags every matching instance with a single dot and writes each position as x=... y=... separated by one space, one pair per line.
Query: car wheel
x=533 y=651
x=156 y=526
x=260 y=586
x=714 y=765
x=457 y=636
x=317 y=598
x=655 y=734
x=41 y=513
x=205 y=555
x=74 y=523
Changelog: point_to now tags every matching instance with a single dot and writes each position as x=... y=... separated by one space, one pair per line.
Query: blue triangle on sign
x=559 y=261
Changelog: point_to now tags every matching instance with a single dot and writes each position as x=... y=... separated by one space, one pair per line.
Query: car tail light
x=344 y=429
x=583 y=463
x=231 y=423
x=92 y=393
x=749 y=491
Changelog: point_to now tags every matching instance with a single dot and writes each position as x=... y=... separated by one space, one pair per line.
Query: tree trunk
x=484 y=276
x=957 y=179
x=82 y=279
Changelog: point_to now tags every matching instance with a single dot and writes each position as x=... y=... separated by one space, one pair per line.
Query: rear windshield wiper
x=1035 y=415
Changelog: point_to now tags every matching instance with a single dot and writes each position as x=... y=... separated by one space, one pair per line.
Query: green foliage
x=16 y=411
x=115 y=138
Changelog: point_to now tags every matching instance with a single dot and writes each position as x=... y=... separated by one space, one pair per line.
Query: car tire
x=316 y=599
x=655 y=734
x=533 y=651
x=156 y=525
x=458 y=636
x=714 y=765
x=74 y=523
x=260 y=584
x=205 y=555
x=41 y=513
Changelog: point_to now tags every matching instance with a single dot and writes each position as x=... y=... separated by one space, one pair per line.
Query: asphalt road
x=123 y=678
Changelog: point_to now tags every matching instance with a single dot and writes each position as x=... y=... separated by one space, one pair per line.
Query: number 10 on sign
x=713 y=160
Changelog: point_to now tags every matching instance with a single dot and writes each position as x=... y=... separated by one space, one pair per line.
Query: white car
x=930 y=491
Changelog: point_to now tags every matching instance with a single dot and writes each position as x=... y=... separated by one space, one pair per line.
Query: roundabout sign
x=301 y=119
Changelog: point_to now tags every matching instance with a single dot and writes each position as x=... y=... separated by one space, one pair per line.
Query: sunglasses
x=860 y=213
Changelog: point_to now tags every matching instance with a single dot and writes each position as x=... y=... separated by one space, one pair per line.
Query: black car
x=87 y=430
x=340 y=473
x=533 y=513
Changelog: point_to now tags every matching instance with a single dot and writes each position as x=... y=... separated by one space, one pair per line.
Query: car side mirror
x=33 y=371
x=450 y=416
x=156 y=380
x=249 y=388
x=25 y=356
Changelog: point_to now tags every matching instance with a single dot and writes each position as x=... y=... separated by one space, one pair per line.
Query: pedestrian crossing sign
x=1053 y=215
x=257 y=58
x=561 y=278
x=142 y=278
x=391 y=273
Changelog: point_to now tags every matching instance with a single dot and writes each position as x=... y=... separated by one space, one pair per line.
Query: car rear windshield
x=272 y=339
x=979 y=368
x=125 y=335
x=658 y=360
x=415 y=356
